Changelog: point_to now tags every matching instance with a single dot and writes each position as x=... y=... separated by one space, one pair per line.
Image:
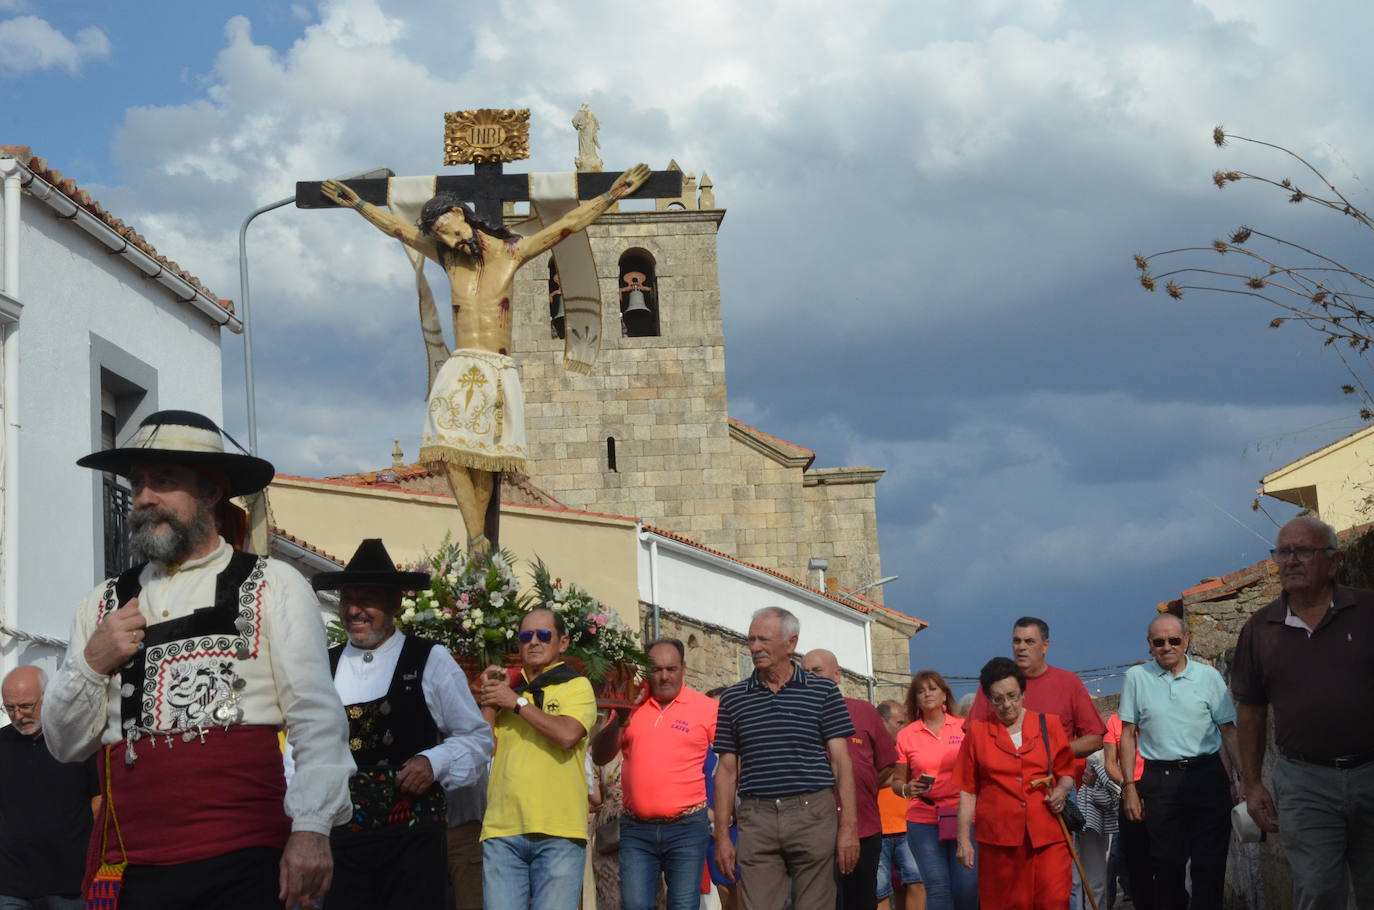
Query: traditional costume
x=196 y=803
x=406 y=697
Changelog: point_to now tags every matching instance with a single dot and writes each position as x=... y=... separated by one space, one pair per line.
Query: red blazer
x=1000 y=775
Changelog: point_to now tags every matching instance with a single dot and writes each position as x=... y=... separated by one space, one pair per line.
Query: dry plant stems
x=1328 y=296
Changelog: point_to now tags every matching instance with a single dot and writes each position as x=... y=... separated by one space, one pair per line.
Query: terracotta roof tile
x=743 y=425
x=864 y=606
x=68 y=188
x=304 y=545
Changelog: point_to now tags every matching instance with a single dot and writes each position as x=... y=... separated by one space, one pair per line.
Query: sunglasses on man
x=1157 y=642
x=527 y=635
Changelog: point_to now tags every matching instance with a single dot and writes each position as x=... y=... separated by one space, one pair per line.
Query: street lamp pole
x=249 y=388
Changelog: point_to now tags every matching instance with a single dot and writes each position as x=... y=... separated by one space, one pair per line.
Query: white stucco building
x=99 y=330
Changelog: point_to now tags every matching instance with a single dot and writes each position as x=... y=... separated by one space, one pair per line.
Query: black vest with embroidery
x=184 y=678
x=383 y=734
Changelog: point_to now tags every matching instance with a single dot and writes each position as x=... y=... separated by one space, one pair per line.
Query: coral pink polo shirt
x=1113 y=736
x=923 y=752
x=664 y=748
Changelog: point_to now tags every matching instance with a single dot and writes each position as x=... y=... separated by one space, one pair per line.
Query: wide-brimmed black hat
x=190 y=439
x=371 y=566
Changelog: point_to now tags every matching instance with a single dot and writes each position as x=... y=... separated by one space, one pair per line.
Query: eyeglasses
x=1304 y=554
x=527 y=635
x=1002 y=700
x=27 y=708
x=1161 y=642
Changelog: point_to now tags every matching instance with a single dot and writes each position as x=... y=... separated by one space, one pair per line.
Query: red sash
x=196 y=800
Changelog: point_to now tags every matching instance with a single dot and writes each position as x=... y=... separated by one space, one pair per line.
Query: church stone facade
x=647 y=432
x=680 y=461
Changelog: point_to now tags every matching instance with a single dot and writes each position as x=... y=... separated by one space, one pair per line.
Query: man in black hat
x=180 y=673
x=414 y=731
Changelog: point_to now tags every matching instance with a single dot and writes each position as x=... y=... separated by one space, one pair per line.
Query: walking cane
x=1046 y=782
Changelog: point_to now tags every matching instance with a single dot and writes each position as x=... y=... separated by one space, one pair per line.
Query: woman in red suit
x=1010 y=792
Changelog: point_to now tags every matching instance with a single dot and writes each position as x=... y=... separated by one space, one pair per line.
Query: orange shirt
x=925 y=753
x=665 y=749
x=892 y=811
x=1113 y=736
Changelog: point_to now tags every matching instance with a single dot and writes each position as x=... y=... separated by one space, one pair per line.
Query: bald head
x=23 y=694
x=821 y=662
x=1165 y=624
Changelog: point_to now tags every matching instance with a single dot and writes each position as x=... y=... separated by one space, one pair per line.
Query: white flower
x=407 y=602
x=467 y=625
x=453 y=578
x=497 y=600
x=476 y=614
x=409 y=614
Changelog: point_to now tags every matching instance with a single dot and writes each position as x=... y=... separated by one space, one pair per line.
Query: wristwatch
x=520 y=703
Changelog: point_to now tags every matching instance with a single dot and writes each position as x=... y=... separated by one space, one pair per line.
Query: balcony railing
x=117 y=503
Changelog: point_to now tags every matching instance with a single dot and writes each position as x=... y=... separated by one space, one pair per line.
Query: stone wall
x=841 y=522
x=680 y=462
x=717 y=656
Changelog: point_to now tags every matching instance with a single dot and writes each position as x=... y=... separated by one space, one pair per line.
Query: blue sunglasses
x=527 y=635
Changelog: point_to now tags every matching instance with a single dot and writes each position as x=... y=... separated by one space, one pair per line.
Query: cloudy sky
x=926 y=265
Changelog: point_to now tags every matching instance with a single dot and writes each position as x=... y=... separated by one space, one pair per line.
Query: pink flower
x=463 y=597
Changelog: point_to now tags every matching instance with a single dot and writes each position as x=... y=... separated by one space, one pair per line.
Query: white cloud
x=29 y=44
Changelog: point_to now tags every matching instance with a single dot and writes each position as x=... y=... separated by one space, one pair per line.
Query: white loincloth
x=476 y=413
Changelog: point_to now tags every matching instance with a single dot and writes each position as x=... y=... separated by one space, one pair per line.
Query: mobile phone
x=926 y=779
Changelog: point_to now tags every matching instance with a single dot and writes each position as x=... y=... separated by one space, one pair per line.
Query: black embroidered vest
x=184 y=677
x=382 y=735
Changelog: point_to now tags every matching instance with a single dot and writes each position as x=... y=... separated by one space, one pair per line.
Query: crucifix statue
x=474 y=426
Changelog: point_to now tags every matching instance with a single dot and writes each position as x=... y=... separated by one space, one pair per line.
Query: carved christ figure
x=474 y=425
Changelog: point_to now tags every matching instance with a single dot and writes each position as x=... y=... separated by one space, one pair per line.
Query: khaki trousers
x=465 y=865
x=788 y=844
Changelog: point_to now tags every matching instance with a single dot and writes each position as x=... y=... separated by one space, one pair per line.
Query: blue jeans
x=949 y=886
x=896 y=853
x=522 y=867
x=675 y=849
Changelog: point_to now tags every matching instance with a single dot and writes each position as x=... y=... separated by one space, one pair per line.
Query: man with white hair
x=45 y=806
x=1308 y=654
x=1177 y=714
x=782 y=736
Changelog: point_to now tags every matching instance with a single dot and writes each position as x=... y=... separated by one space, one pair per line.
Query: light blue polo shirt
x=1176 y=716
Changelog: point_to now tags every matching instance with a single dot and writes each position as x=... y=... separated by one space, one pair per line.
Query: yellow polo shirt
x=536 y=787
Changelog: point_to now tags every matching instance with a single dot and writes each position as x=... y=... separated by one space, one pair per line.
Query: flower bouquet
x=474 y=604
x=606 y=648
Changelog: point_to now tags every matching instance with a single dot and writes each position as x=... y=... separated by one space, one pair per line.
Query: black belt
x=1183 y=764
x=685 y=813
x=1343 y=762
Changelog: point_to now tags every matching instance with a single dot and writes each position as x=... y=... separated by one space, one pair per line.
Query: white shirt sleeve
x=317 y=797
x=76 y=701
x=463 y=755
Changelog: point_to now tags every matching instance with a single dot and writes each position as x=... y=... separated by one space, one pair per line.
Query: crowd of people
x=151 y=772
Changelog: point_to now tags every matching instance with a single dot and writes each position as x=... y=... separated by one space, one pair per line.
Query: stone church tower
x=647 y=433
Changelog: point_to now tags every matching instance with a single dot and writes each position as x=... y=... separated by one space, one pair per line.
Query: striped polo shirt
x=780 y=737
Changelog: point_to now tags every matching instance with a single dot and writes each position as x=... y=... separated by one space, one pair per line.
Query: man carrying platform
x=180 y=673
x=414 y=731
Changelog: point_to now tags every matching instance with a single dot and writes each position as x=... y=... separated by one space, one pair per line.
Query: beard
x=28 y=726
x=175 y=542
